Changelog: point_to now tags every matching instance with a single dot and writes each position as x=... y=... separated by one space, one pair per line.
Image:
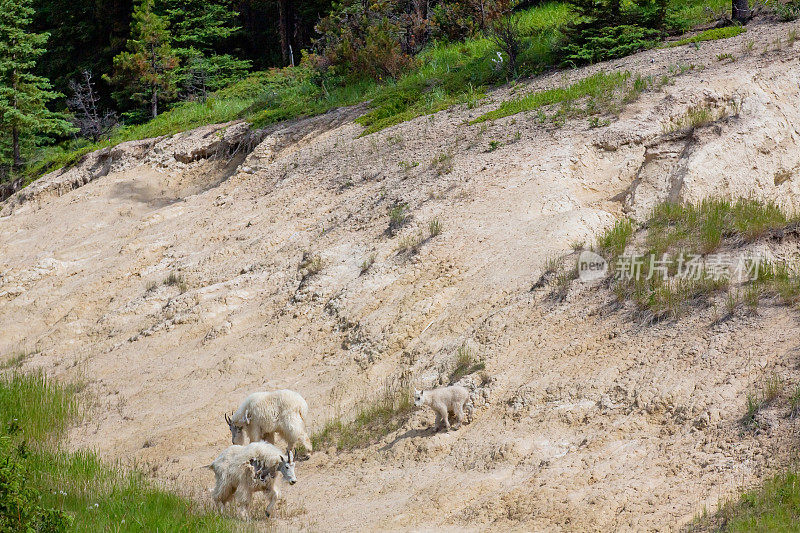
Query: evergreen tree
x=146 y=73
x=200 y=28
x=23 y=95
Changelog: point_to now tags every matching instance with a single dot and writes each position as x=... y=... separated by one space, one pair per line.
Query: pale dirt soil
x=593 y=420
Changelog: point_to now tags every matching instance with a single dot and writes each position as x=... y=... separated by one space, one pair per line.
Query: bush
x=374 y=39
x=20 y=503
x=788 y=11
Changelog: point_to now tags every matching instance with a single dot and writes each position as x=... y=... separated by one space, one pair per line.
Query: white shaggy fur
x=243 y=470
x=263 y=414
x=445 y=401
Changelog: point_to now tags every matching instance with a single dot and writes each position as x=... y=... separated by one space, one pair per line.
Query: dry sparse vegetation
x=465 y=363
x=374 y=418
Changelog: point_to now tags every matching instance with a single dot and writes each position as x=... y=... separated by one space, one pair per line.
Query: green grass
x=774 y=506
x=711 y=35
x=602 y=90
x=612 y=242
x=374 y=419
x=677 y=232
x=34 y=415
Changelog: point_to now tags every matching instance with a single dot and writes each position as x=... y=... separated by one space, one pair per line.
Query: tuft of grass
x=374 y=418
x=443 y=163
x=310 y=264
x=710 y=35
x=434 y=228
x=175 y=279
x=699 y=116
x=772 y=388
x=398 y=217
x=752 y=297
x=465 y=363
x=367 y=263
x=562 y=283
x=752 y=406
x=494 y=145
x=794 y=402
x=411 y=243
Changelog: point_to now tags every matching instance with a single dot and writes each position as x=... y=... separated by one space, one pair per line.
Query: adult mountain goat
x=263 y=414
x=443 y=401
x=243 y=470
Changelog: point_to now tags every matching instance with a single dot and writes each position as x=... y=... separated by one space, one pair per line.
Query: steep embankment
x=590 y=420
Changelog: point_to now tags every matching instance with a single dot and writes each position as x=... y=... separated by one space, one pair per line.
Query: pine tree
x=199 y=29
x=146 y=73
x=23 y=95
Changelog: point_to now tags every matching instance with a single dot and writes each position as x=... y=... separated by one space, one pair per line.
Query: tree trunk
x=284 y=17
x=740 y=11
x=154 y=103
x=15 y=147
x=16 y=161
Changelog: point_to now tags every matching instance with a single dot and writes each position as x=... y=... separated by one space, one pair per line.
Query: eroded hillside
x=175 y=275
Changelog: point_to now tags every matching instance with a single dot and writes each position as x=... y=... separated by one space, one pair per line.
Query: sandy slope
x=592 y=421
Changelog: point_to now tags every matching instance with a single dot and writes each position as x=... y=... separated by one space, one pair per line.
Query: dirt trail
x=591 y=422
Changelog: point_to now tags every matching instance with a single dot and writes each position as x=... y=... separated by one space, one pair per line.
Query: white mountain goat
x=444 y=401
x=243 y=470
x=263 y=414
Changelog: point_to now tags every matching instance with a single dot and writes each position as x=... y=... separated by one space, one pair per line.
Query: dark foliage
x=607 y=29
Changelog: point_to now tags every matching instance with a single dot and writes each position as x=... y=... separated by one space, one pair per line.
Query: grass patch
x=774 y=506
x=701 y=115
x=710 y=35
x=91 y=494
x=674 y=272
x=602 y=92
x=373 y=420
x=15 y=360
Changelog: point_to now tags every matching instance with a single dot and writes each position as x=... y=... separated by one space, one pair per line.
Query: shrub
x=788 y=11
x=506 y=33
x=373 y=39
x=20 y=503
